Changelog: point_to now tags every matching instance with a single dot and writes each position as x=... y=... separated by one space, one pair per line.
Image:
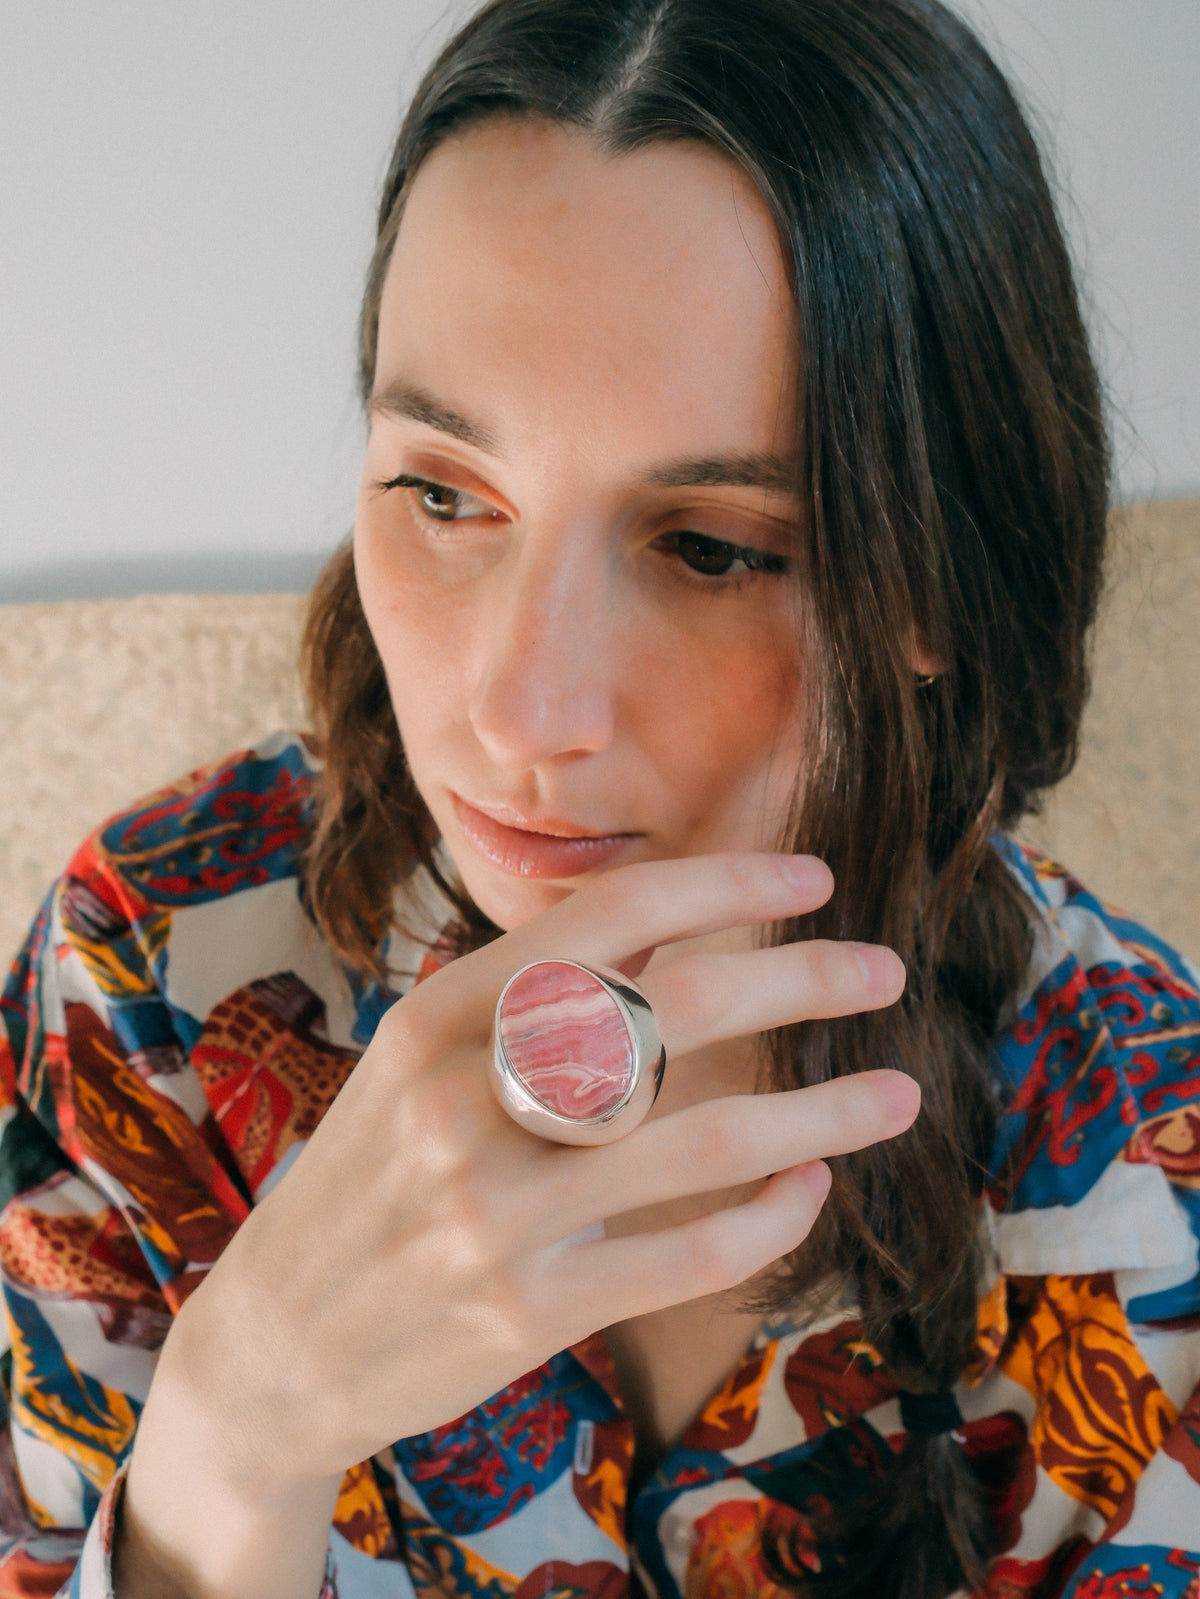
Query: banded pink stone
x=566 y=1039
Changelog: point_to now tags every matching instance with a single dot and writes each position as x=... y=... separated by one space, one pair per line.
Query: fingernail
x=817 y=1179
x=880 y=966
x=807 y=872
x=901 y=1097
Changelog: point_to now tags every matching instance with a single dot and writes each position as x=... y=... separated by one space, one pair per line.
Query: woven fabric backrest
x=104 y=700
x=1127 y=820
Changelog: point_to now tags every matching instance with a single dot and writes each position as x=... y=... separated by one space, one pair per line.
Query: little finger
x=614 y=1279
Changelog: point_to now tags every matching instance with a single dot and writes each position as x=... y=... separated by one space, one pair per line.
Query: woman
x=730 y=530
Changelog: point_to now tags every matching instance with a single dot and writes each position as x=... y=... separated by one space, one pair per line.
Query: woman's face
x=575 y=531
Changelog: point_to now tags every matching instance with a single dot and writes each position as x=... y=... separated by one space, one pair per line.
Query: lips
x=553 y=848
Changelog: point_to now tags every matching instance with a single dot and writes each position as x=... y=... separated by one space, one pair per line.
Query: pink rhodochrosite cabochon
x=566 y=1039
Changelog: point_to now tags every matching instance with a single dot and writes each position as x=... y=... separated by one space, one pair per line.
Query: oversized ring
x=578 y=1059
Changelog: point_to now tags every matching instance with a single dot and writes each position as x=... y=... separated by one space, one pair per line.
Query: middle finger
x=705 y=999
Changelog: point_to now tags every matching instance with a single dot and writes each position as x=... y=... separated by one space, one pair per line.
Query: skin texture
x=549 y=652
x=553 y=657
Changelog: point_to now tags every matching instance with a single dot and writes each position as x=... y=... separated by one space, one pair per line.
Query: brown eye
x=713 y=557
x=437 y=501
x=718 y=558
x=440 y=502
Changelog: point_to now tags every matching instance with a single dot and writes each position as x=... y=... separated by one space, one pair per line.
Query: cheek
x=727 y=720
x=421 y=643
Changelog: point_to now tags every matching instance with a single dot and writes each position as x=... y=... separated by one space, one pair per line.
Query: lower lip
x=536 y=854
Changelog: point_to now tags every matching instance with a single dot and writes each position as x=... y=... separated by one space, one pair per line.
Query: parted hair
x=953 y=463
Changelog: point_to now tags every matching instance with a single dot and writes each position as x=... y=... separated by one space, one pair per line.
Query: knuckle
x=715 y=1262
x=831 y=970
x=417 y=1029
x=757 y=876
x=456 y=1253
x=692 y=986
x=396 y=1026
x=474 y=1215
x=713 y=1141
x=744 y=874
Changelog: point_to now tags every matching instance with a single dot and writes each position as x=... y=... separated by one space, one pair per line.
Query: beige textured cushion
x=105 y=699
x=1127 y=820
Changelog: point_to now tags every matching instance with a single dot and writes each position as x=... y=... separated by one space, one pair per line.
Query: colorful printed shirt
x=175 y=1030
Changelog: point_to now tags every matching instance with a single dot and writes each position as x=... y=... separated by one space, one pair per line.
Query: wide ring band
x=577 y=1058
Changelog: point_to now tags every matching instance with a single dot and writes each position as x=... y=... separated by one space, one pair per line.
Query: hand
x=425 y=1251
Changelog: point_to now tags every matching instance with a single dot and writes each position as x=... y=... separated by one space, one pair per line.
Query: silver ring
x=578 y=1059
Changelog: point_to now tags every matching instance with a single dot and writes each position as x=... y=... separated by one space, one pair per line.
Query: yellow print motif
x=113 y=976
x=739 y=1399
x=991 y=1331
x=604 y=1498
x=442 y=1567
x=122 y=1127
x=1101 y=1414
x=360 y=1514
x=92 y=1428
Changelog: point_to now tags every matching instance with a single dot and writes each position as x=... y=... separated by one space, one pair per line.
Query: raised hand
x=425 y=1251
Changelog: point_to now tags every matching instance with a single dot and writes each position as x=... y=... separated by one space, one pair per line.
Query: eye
x=718 y=558
x=438 y=501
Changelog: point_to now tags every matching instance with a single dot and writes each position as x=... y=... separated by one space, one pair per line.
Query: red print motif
x=727 y=1560
x=1036 y=1579
x=1131 y=1582
x=728 y=1418
x=1182 y=1443
x=557 y=1579
x=834 y=1377
x=213 y=835
x=1171 y=1142
x=268 y=1072
x=188 y=1208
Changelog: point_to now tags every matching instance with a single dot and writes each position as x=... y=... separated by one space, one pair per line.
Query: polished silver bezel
x=649 y=1060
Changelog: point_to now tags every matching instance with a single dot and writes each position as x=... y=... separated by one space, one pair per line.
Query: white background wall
x=186 y=198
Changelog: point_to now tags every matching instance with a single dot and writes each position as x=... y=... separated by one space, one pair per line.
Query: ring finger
x=721 y=1144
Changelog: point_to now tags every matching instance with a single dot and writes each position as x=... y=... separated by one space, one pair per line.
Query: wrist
x=197 y=1522
x=207 y=1511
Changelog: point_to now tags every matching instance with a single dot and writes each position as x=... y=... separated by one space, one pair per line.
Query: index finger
x=635 y=908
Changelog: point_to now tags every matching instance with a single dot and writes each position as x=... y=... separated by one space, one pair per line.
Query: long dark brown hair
x=954 y=467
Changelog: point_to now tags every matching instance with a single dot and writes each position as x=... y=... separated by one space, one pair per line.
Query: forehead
x=529 y=255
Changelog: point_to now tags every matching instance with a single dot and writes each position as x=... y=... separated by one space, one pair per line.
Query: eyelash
x=406 y=481
x=705 y=546
x=702 y=545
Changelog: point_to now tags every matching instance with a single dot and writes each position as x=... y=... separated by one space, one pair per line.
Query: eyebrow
x=418 y=405
x=737 y=470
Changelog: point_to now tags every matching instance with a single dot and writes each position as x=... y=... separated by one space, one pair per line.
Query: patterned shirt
x=175 y=1028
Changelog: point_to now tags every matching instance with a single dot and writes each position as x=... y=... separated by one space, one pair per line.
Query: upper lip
x=550 y=826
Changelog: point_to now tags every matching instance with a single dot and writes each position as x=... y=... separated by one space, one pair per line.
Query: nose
x=544 y=681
